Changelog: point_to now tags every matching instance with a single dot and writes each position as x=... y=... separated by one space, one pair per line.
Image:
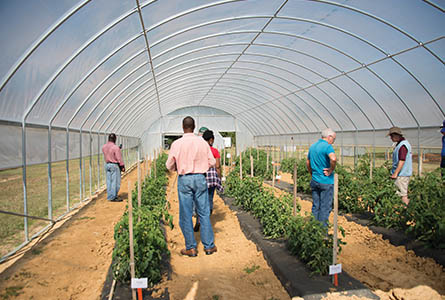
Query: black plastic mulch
x=395 y=237
x=294 y=275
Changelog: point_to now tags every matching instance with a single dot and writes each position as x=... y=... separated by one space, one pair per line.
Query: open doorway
x=169 y=139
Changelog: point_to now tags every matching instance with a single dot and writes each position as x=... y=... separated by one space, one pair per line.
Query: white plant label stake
x=335 y=269
x=139 y=283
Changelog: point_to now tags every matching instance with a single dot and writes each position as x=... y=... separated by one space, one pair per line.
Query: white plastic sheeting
x=280 y=67
x=37 y=141
x=423 y=138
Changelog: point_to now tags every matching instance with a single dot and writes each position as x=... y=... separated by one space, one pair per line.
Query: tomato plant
x=424 y=218
x=306 y=239
x=150 y=246
x=426 y=211
x=303 y=178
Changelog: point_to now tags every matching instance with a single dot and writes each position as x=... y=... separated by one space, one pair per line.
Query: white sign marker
x=139 y=283
x=335 y=269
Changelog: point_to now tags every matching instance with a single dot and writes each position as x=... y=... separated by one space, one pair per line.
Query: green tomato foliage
x=306 y=237
x=424 y=218
x=150 y=247
x=303 y=178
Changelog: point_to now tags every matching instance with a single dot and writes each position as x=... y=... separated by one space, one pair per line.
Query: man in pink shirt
x=113 y=166
x=191 y=157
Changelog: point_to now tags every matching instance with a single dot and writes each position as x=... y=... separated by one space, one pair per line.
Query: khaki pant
x=402 y=184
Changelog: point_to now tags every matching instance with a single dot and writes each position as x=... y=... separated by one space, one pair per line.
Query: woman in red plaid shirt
x=213 y=175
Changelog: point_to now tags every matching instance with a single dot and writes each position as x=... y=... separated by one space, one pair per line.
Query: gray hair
x=327 y=132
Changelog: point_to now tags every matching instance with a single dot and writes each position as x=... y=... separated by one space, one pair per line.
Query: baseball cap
x=443 y=127
x=396 y=130
x=202 y=129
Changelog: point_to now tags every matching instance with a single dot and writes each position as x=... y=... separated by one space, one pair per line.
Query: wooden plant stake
x=230 y=161
x=130 y=226
x=241 y=166
x=224 y=161
x=267 y=162
x=273 y=175
x=258 y=154
x=139 y=188
x=294 y=211
x=110 y=295
x=420 y=162
x=370 y=167
x=334 y=253
x=154 y=164
x=251 y=166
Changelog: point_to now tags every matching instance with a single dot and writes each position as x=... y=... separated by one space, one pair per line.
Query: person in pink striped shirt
x=114 y=164
x=191 y=157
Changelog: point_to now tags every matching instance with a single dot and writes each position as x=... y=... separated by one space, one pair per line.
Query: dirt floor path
x=389 y=271
x=71 y=262
x=237 y=271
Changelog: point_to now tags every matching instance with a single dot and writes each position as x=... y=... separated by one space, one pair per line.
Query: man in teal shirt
x=321 y=161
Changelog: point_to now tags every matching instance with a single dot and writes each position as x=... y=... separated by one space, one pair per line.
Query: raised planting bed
x=293 y=274
x=151 y=254
x=394 y=236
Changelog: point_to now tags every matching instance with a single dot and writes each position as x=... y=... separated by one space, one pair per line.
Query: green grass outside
x=11 y=197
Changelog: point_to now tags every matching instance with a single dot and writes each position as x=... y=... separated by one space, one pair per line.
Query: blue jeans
x=113 y=180
x=211 y=194
x=192 y=189
x=322 y=196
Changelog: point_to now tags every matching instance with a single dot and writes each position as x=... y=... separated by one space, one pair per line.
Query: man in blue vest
x=321 y=161
x=402 y=163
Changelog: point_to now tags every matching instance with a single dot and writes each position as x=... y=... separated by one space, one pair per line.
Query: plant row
x=424 y=218
x=259 y=163
x=150 y=246
x=306 y=237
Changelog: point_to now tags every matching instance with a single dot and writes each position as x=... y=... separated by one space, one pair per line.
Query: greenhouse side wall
x=350 y=145
x=52 y=182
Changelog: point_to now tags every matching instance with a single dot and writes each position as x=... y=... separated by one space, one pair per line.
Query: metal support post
x=98 y=160
x=25 y=198
x=80 y=167
x=91 y=163
x=67 y=169
x=50 y=188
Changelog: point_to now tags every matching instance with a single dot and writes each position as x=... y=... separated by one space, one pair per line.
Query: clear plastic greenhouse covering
x=278 y=69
